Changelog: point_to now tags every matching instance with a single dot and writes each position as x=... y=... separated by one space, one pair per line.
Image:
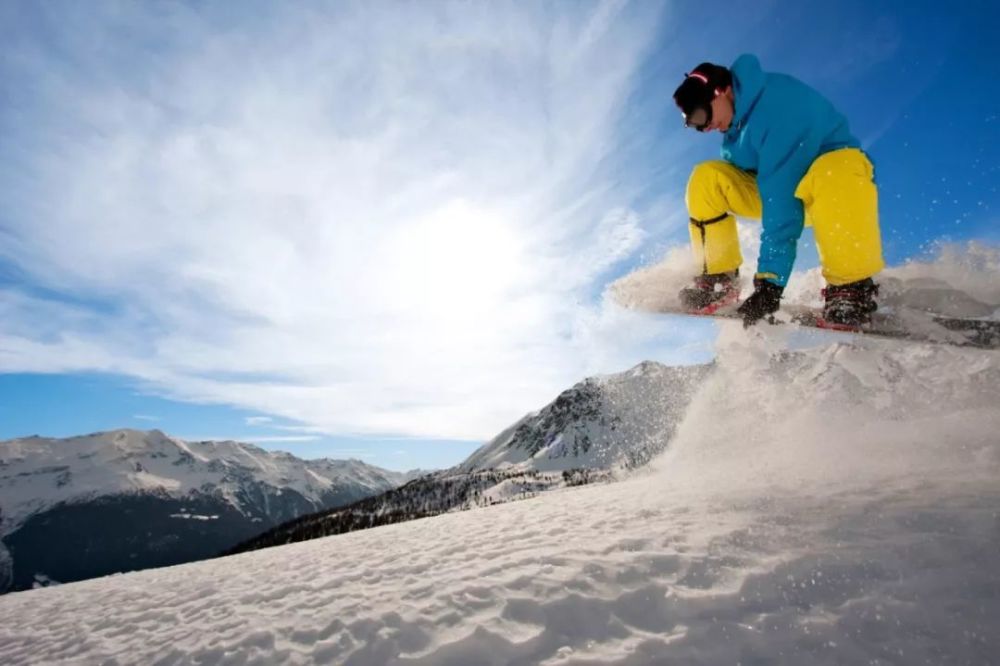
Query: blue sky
x=383 y=230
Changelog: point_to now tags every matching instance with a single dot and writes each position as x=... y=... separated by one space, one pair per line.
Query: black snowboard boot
x=710 y=292
x=850 y=305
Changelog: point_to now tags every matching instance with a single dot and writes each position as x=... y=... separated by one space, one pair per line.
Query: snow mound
x=851 y=412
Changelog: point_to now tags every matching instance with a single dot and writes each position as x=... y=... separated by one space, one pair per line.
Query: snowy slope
x=603 y=422
x=427 y=496
x=829 y=506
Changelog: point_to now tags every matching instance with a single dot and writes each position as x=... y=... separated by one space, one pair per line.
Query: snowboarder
x=789 y=159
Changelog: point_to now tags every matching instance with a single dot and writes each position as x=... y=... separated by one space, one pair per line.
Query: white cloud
x=372 y=220
x=277 y=439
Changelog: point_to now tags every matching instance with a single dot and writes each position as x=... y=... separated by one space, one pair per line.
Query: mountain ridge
x=214 y=493
x=591 y=432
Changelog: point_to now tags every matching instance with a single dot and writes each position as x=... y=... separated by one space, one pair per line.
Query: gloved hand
x=764 y=300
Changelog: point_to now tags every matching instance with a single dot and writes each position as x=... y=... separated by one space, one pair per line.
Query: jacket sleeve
x=785 y=154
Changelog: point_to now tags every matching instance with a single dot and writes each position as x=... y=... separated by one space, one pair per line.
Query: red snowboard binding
x=711 y=292
x=849 y=307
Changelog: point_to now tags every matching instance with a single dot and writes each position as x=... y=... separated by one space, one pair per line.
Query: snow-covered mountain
x=603 y=422
x=828 y=505
x=130 y=499
x=591 y=432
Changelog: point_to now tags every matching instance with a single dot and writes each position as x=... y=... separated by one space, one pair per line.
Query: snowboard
x=901 y=323
x=913 y=303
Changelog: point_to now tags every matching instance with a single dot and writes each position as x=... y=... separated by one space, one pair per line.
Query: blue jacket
x=779 y=127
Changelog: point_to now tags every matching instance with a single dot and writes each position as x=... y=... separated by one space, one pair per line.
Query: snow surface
x=838 y=504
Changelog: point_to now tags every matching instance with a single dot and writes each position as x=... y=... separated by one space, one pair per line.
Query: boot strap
x=701 y=224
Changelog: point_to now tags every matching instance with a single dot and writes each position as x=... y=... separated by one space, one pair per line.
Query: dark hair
x=699 y=86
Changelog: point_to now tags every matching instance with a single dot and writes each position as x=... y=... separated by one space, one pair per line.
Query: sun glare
x=458 y=260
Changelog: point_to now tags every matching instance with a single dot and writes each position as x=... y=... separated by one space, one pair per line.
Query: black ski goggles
x=699 y=118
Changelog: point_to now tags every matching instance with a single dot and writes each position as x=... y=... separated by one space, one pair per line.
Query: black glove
x=764 y=300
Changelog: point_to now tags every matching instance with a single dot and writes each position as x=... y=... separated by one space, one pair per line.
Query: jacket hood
x=748 y=84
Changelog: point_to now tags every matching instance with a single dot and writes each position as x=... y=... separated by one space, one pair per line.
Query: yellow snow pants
x=840 y=201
